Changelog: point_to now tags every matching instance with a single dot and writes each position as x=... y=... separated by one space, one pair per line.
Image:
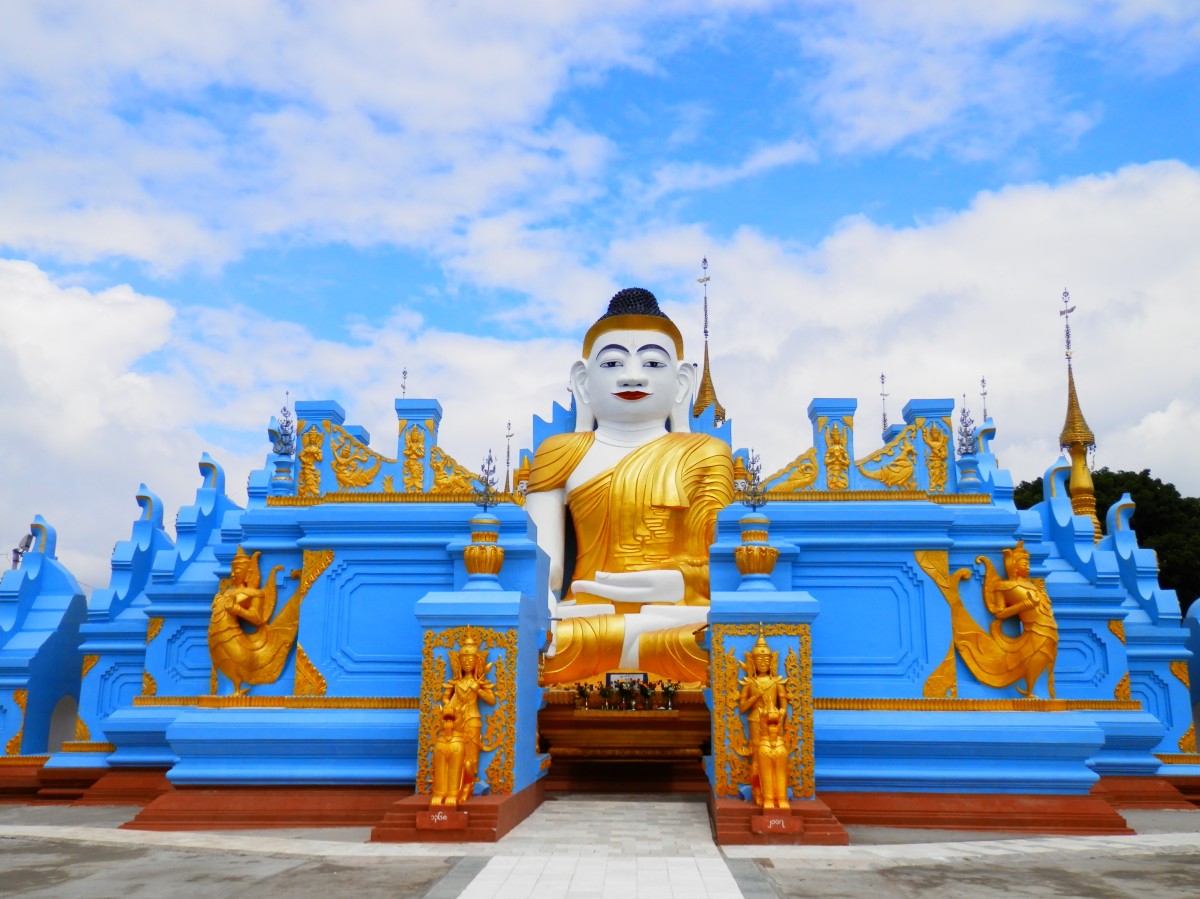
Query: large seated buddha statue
x=642 y=495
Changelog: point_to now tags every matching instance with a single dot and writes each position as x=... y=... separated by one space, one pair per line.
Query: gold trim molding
x=19 y=761
x=1167 y=758
x=281 y=702
x=976 y=705
x=342 y=496
x=87 y=746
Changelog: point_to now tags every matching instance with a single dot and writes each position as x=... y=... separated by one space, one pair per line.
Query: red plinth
x=127 y=786
x=808 y=822
x=1188 y=787
x=66 y=784
x=1074 y=815
x=1141 y=792
x=245 y=808
x=19 y=781
x=488 y=818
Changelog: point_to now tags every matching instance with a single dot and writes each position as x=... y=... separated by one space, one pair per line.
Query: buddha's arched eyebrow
x=653 y=346
x=613 y=346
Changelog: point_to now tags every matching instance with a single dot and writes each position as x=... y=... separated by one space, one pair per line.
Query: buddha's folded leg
x=585 y=647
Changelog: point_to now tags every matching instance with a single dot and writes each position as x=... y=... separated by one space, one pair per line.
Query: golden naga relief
x=994 y=657
x=312 y=441
x=258 y=657
x=837 y=459
x=451 y=738
x=354 y=464
x=414 y=460
x=448 y=475
x=799 y=474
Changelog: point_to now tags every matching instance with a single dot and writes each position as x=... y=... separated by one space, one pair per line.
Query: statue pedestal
x=809 y=822
x=441 y=819
x=485 y=819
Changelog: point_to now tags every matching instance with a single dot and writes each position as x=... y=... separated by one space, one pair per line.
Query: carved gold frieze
x=448 y=475
x=897 y=462
x=1179 y=668
x=414 y=460
x=258 y=657
x=149 y=686
x=1122 y=690
x=729 y=740
x=943 y=682
x=89 y=662
x=977 y=705
x=355 y=465
x=280 y=702
x=1187 y=743
x=309 y=680
x=1117 y=626
x=154 y=626
x=996 y=659
x=312 y=442
x=500 y=735
x=799 y=474
x=13 y=746
x=937 y=443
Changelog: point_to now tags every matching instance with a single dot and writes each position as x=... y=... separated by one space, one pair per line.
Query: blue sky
x=204 y=207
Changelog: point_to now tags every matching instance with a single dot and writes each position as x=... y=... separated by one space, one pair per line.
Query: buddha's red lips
x=631 y=395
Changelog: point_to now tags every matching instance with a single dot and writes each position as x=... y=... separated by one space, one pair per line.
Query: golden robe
x=656 y=509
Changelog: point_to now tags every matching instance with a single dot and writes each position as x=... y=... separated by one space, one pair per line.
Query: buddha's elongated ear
x=584 y=419
x=685 y=388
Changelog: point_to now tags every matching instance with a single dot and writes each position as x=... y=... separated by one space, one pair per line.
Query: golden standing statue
x=643 y=501
x=763 y=700
x=460 y=738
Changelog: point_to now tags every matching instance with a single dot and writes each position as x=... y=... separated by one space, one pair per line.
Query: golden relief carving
x=460 y=692
x=483 y=558
x=1187 y=743
x=13 y=746
x=149 y=687
x=354 y=464
x=414 y=460
x=937 y=442
x=1179 y=668
x=995 y=658
x=1117 y=626
x=837 y=460
x=280 y=702
x=448 y=475
x=733 y=752
x=212 y=682
x=309 y=680
x=89 y=662
x=258 y=657
x=943 y=682
x=154 y=626
x=310 y=454
x=388 y=484
x=799 y=474
x=900 y=470
x=82 y=734
x=755 y=559
x=1122 y=690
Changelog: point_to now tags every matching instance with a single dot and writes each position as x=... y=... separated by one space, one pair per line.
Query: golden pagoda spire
x=1077 y=438
x=706 y=393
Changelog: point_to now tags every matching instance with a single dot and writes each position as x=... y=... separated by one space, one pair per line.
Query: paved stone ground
x=586 y=846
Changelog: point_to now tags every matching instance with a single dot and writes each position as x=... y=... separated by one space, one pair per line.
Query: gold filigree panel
x=1179 y=668
x=1117 y=626
x=89 y=662
x=943 y=682
x=1187 y=743
x=309 y=680
x=154 y=627
x=149 y=687
x=82 y=734
x=500 y=734
x=13 y=746
x=1122 y=690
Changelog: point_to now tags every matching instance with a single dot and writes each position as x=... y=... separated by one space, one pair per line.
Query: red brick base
x=1077 y=815
x=19 y=781
x=1141 y=792
x=736 y=822
x=488 y=818
x=127 y=786
x=1188 y=787
x=66 y=784
x=245 y=808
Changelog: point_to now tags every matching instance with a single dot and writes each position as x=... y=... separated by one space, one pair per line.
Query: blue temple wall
x=114 y=638
x=41 y=610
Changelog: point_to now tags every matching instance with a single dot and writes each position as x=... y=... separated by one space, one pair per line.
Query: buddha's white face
x=632 y=377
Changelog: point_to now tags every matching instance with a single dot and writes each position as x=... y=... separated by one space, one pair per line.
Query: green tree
x=1164 y=520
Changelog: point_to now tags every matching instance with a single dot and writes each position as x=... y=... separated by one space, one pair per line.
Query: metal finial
x=486 y=495
x=983 y=395
x=404 y=382
x=508 y=436
x=753 y=496
x=704 y=280
x=1065 y=312
x=883 y=395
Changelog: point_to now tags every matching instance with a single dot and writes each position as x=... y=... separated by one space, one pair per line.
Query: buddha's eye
x=653 y=363
x=611 y=363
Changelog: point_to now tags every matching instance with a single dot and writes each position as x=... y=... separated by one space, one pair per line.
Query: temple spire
x=706 y=393
x=1076 y=437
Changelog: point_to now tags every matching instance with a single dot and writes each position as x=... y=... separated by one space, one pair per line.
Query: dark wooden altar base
x=488 y=818
x=1188 y=787
x=127 y=786
x=1067 y=815
x=733 y=824
x=568 y=775
x=247 y=808
x=19 y=781
x=1141 y=792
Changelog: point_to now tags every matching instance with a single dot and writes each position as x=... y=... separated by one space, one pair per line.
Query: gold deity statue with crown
x=641 y=494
